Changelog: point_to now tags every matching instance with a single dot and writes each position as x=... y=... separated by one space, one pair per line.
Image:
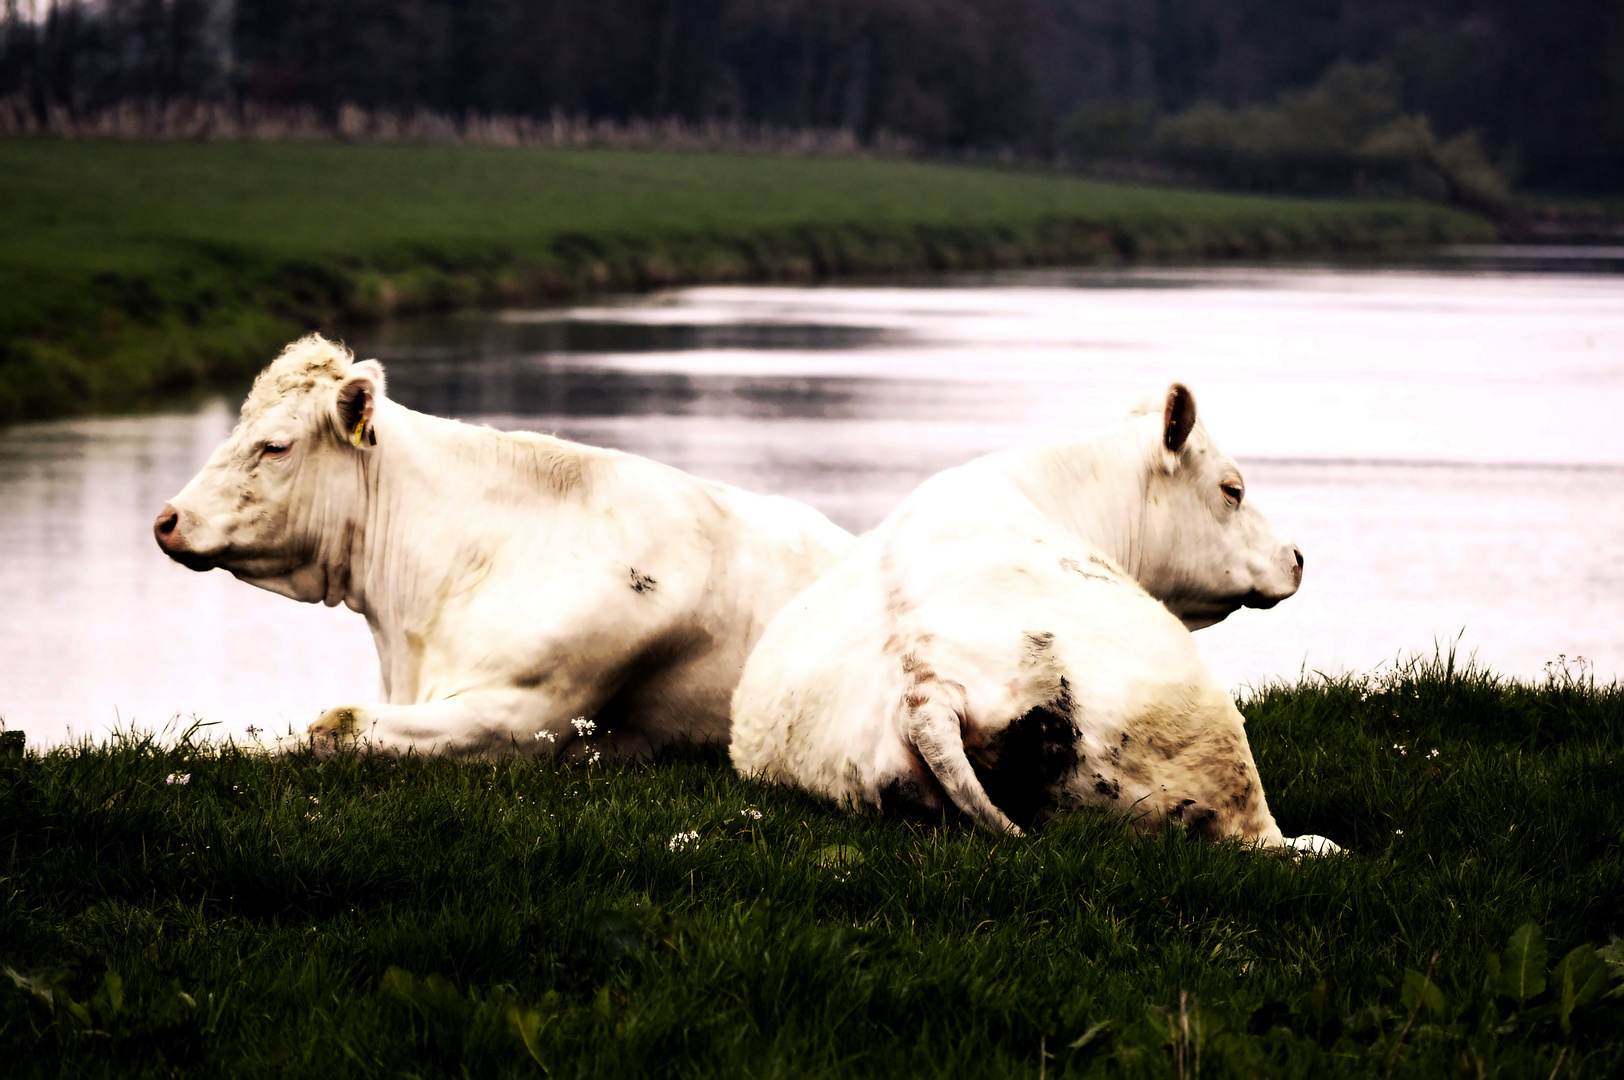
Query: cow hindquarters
x=1188 y=763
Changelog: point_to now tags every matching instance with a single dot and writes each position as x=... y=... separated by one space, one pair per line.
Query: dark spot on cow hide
x=1038 y=643
x=1021 y=766
x=913 y=800
x=1111 y=789
x=641 y=583
x=1174 y=748
x=1074 y=567
x=1198 y=819
x=915 y=795
x=917 y=670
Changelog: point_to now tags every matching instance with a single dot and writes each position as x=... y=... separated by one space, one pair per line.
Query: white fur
x=513 y=582
x=1030 y=580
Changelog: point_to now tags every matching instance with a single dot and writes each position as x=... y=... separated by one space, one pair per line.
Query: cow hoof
x=1313 y=845
x=335 y=728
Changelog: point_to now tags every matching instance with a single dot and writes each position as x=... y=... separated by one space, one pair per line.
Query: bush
x=1347 y=135
x=1108 y=133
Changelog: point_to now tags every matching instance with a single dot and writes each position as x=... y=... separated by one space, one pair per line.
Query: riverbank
x=131 y=272
x=203 y=912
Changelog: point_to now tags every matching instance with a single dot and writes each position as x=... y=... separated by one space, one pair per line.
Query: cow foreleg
x=932 y=725
x=476 y=722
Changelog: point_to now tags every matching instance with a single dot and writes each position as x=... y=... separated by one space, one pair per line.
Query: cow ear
x=1178 y=418
x=358 y=396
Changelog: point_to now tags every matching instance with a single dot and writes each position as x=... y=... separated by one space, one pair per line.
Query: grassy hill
x=130 y=271
x=204 y=912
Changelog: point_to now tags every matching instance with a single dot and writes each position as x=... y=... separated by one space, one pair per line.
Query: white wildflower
x=1400 y=748
x=595 y=758
x=583 y=727
x=314 y=801
x=753 y=814
x=178 y=778
x=1435 y=752
x=683 y=840
x=1398 y=832
x=549 y=736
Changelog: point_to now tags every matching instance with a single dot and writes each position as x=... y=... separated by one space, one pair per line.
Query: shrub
x=1346 y=135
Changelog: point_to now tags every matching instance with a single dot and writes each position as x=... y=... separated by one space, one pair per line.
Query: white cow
x=513 y=582
x=998 y=642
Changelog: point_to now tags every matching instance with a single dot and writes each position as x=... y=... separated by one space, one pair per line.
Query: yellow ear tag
x=355 y=436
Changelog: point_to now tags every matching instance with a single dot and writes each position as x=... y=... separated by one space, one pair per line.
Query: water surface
x=1442 y=446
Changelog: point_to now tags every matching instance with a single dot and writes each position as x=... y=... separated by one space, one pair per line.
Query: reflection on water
x=561 y=333
x=1442 y=447
x=537 y=386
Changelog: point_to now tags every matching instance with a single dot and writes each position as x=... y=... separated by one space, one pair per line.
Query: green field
x=132 y=272
x=356 y=917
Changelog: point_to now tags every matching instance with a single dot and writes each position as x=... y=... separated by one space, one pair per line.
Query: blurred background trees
x=1449 y=98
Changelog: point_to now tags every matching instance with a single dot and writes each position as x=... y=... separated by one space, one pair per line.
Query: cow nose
x=164 y=528
x=1297 y=551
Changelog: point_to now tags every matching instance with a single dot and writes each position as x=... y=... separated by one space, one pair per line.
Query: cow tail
x=933 y=727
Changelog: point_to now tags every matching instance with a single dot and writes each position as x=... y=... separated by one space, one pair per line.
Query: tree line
x=1174 y=85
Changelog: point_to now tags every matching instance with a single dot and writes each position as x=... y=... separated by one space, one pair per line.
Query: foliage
x=1345 y=134
x=1538 y=81
x=130 y=272
x=366 y=917
x=1103 y=133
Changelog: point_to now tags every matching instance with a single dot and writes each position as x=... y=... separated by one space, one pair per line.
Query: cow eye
x=273 y=449
x=1233 y=492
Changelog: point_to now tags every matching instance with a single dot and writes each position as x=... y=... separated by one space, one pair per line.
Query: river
x=1444 y=446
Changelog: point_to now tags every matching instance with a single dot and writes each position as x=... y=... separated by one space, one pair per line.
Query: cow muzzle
x=1291 y=580
x=174 y=531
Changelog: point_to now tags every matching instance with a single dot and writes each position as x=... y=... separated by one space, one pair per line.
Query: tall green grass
x=362 y=917
x=132 y=271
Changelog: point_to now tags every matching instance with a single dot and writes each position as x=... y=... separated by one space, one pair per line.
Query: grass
x=132 y=271
x=360 y=917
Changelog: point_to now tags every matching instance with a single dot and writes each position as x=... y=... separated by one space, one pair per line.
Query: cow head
x=278 y=502
x=1205 y=550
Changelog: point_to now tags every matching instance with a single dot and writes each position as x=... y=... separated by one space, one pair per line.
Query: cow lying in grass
x=997 y=643
x=513 y=583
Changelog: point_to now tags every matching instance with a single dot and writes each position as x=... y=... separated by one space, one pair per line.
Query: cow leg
x=480 y=721
x=1309 y=844
x=932 y=725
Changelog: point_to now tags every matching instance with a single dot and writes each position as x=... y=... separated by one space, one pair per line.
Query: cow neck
x=423 y=485
x=1095 y=489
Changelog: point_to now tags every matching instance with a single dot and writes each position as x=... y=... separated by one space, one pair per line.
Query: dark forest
x=1539 y=88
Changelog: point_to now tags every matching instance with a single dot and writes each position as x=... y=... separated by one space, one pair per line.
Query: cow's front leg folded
x=335 y=729
x=471 y=723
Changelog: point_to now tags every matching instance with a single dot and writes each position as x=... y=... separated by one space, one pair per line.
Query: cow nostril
x=167 y=520
x=1297 y=551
